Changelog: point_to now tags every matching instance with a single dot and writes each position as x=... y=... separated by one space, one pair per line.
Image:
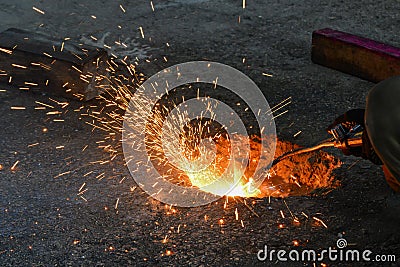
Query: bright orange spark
x=38 y=10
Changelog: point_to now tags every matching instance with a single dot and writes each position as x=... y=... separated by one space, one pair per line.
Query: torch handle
x=342 y=138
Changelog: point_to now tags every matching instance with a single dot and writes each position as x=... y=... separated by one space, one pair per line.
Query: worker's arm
x=382 y=120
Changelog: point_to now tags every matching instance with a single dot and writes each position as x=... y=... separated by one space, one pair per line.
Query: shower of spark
x=178 y=149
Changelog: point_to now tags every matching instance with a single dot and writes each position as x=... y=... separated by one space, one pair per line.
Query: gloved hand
x=348 y=120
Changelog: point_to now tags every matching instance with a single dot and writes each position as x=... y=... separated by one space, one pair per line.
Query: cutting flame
x=209 y=182
x=210 y=167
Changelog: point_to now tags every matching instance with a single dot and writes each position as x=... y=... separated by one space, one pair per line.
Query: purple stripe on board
x=360 y=41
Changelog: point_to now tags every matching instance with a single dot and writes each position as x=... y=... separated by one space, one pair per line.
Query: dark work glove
x=348 y=120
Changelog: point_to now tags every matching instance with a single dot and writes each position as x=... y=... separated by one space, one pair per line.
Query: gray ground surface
x=44 y=223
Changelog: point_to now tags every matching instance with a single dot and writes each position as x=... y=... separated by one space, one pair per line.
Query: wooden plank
x=33 y=61
x=365 y=58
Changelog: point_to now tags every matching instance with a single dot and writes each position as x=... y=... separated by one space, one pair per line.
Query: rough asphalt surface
x=43 y=222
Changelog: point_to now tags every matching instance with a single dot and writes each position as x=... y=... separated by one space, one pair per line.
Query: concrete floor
x=43 y=222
